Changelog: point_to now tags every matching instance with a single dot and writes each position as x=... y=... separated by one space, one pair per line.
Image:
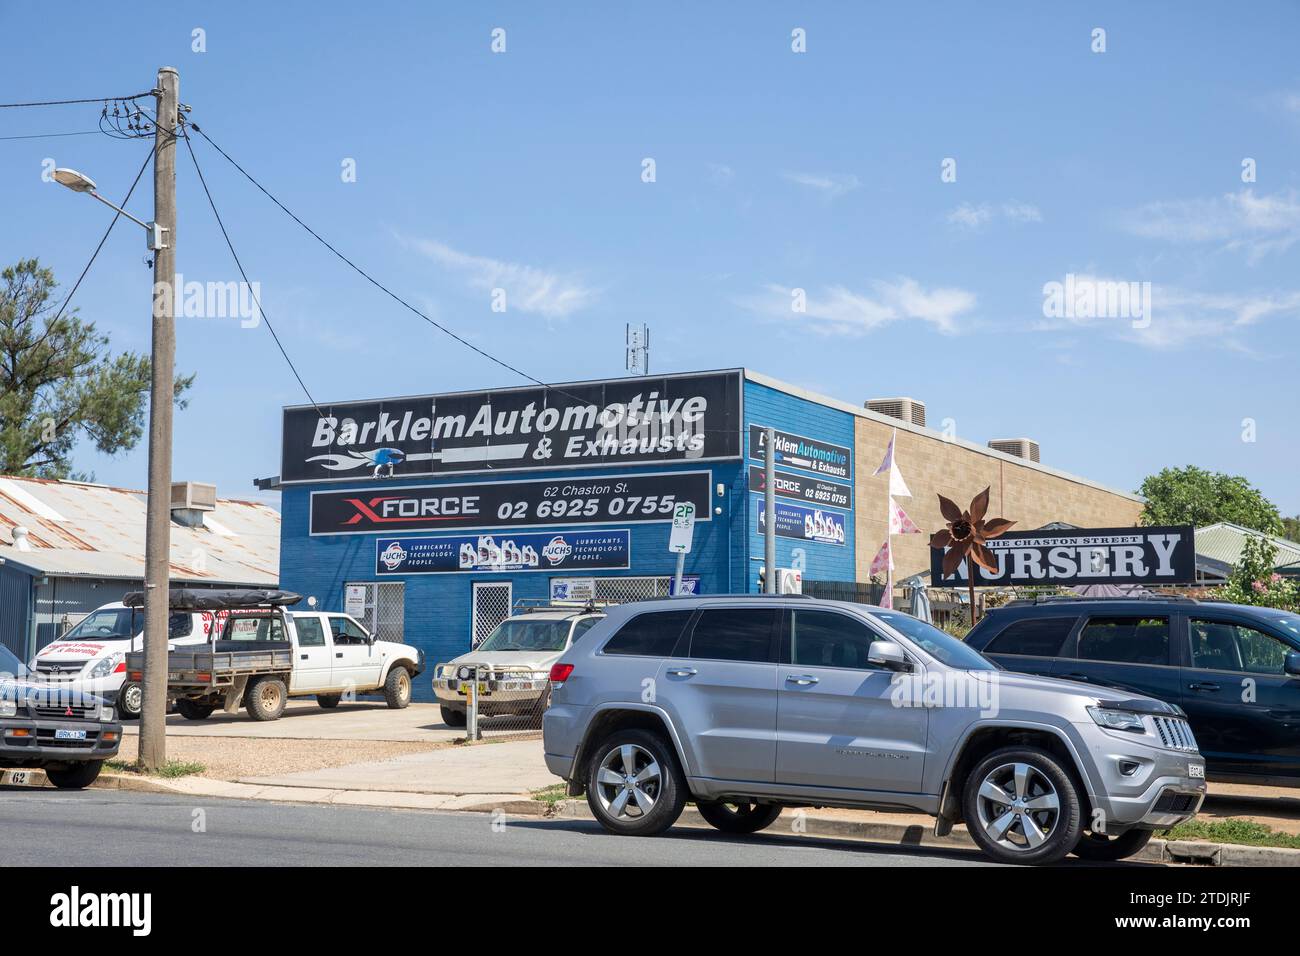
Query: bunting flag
x=897 y=486
x=884 y=559
x=899 y=522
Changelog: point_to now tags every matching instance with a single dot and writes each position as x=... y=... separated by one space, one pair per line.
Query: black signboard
x=830 y=494
x=810 y=454
x=1156 y=555
x=628 y=420
x=606 y=499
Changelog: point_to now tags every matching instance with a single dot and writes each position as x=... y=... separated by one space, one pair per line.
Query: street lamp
x=81 y=183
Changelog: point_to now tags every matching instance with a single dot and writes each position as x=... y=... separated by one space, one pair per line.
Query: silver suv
x=749 y=704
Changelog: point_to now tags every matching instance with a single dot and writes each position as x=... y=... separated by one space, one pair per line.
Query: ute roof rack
x=218 y=599
x=534 y=605
x=1114 y=598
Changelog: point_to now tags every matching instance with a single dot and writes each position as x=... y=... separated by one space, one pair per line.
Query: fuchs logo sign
x=393 y=556
x=1164 y=555
x=638 y=420
x=556 y=550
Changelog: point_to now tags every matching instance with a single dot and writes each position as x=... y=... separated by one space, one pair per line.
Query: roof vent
x=1025 y=448
x=20 y=538
x=905 y=409
x=191 y=500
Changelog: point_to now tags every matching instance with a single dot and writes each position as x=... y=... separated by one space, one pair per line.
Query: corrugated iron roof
x=1223 y=543
x=88 y=530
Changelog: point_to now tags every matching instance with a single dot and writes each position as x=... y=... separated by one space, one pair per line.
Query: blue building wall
x=438 y=607
x=15 y=610
x=766 y=406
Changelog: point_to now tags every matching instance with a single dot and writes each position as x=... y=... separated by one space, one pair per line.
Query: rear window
x=649 y=635
x=1125 y=640
x=1036 y=637
x=734 y=634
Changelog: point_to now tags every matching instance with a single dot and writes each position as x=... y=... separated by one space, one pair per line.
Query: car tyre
x=193 y=710
x=328 y=701
x=266 y=698
x=397 y=688
x=1101 y=848
x=77 y=776
x=738 y=817
x=634 y=784
x=1021 y=805
x=453 y=717
x=129 y=700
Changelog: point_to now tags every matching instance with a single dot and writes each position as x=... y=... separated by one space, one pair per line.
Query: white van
x=91 y=657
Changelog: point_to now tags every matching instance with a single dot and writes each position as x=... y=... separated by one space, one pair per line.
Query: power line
x=93 y=99
x=116 y=215
x=239 y=265
x=84 y=132
x=365 y=275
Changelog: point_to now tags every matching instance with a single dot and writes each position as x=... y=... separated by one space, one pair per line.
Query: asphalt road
x=105 y=827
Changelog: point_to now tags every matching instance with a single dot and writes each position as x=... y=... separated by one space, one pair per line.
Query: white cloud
x=830 y=186
x=1180 y=317
x=972 y=216
x=838 y=310
x=1244 y=220
x=528 y=288
x=721 y=174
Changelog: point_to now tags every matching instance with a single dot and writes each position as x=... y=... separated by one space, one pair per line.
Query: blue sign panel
x=807 y=524
x=480 y=553
x=690 y=585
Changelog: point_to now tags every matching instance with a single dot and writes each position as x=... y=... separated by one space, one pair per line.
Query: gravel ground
x=229 y=758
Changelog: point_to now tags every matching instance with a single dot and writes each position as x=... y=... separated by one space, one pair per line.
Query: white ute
x=91 y=657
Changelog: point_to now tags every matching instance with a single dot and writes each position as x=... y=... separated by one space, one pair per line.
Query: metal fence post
x=471 y=710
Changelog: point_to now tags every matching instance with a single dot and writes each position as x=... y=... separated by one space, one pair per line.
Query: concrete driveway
x=305 y=720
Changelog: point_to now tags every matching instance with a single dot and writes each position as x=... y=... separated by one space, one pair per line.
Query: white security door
x=491 y=607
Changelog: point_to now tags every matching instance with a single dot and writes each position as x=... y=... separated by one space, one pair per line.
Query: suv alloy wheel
x=634 y=786
x=1021 y=806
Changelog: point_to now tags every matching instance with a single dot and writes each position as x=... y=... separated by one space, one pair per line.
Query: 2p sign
x=683 y=528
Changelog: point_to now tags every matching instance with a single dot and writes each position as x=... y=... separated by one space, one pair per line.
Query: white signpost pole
x=679 y=542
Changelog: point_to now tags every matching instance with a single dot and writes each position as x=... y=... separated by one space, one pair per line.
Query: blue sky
x=774 y=171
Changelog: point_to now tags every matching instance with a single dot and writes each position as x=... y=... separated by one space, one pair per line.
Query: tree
x=60 y=382
x=1198 y=497
x=1253 y=580
x=1291 y=528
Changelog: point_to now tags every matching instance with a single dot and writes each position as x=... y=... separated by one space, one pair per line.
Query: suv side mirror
x=889 y=656
x=1292 y=664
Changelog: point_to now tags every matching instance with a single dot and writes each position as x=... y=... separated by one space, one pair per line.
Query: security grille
x=625 y=590
x=385 y=609
x=491 y=607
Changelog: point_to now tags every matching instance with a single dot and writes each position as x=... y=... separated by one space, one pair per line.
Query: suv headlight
x=8 y=706
x=106 y=714
x=1117 y=719
x=107 y=666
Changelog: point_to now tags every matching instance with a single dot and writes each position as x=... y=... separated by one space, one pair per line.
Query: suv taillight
x=560 y=673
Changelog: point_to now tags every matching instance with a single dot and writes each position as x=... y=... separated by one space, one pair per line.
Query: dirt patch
x=229 y=758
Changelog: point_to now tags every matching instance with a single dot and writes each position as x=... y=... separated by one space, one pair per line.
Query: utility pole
x=769 y=507
x=157 y=548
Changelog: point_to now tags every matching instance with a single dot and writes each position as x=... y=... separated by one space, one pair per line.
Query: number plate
x=173 y=675
x=482 y=690
x=1196 y=770
x=69 y=735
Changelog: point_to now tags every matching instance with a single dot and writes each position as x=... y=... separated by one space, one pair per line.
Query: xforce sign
x=639 y=420
x=1164 y=555
x=605 y=499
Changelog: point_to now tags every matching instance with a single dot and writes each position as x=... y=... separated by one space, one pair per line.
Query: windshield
x=11 y=666
x=1289 y=623
x=943 y=647
x=122 y=624
x=521 y=634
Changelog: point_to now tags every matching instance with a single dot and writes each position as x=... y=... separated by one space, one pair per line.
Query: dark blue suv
x=1234 y=669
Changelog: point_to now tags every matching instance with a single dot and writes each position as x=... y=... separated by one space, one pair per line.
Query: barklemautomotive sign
x=605 y=499
x=529 y=551
x=811 y=454
x=1156 y=555
x=622 y=421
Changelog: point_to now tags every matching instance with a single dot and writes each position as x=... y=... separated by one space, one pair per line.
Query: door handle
x=339 y=654
x=803 y=680
x=1207 y=686
x=682 y=671
x=302 y=657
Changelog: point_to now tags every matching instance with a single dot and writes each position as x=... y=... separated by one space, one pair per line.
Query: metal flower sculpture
x=966 y=533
